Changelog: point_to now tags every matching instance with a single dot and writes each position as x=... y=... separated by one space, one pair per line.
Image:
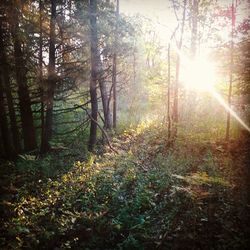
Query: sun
x=198 y=74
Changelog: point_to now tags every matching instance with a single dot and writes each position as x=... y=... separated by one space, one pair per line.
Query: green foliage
x=144 y=197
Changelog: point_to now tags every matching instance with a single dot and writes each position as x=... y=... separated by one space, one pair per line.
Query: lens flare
x=199 y=75
x=230 y=110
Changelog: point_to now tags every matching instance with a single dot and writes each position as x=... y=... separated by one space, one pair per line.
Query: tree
x=41 y=82
x=233 y=16
x=176 y=86
x=27 y=122
x=114 y=72
x=94 y=73
x=7 y=143
x=51 y=82
x=194 y=25
x=5 y=73
x=104 y=93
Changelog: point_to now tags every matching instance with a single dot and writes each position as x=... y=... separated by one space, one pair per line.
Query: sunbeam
x=199 y=75
x=227 y=108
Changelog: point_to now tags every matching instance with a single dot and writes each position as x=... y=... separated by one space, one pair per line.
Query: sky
x=149 y=7
x=163 y=9
x=161 y=12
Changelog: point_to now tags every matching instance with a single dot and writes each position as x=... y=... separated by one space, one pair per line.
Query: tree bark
x=231 y=71
x=169 y=84
x=192 y=95
x=5 y=73
x=114 y=92
x=23 y=91
x=114 y=80
x=51 y=82
x=94 y=74
x=176 y=87
x=194 y=32
x=104 y=96
x=168 y=94
x=41 y=83
x=7 y=143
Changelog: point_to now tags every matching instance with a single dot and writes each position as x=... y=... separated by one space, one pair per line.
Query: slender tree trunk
x=192 y=95
x=114 y=92
x=169 y=85
x=114 y=80
x=176 y=87
x=2 y=151
x=231 y=72
x=94 y=74
x=4 y=72
x=103 y=87
x=168 y=93
x=51 y=82
x=23 y=91
x=134 y=64
x=176 y=96
x=7 y=143
x=104 y=96
x=194 y=32
x=41 y=85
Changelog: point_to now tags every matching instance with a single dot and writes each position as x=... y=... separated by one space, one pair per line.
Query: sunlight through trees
x=124 y=124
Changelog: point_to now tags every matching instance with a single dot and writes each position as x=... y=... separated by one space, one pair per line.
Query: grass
x=147 y=196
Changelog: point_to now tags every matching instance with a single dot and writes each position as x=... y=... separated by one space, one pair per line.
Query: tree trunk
x=104 y=96
x=4 y=72
x=114 y=91
x=51 y=82
x=168 y=93
x=114 y=80
x=23 y=91
x=176 y=87
x=41 y=83
x=231 y=72
x=195 y=10
x=7 y=144
x=94 y=74
x=176 y=96
x=192 y=95
x=169 y=85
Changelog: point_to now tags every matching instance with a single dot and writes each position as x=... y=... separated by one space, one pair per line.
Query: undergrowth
x=147 y=196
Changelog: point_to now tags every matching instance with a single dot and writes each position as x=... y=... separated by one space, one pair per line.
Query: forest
x=125 y=124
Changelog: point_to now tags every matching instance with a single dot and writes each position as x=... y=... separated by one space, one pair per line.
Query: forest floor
x=193 y=195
